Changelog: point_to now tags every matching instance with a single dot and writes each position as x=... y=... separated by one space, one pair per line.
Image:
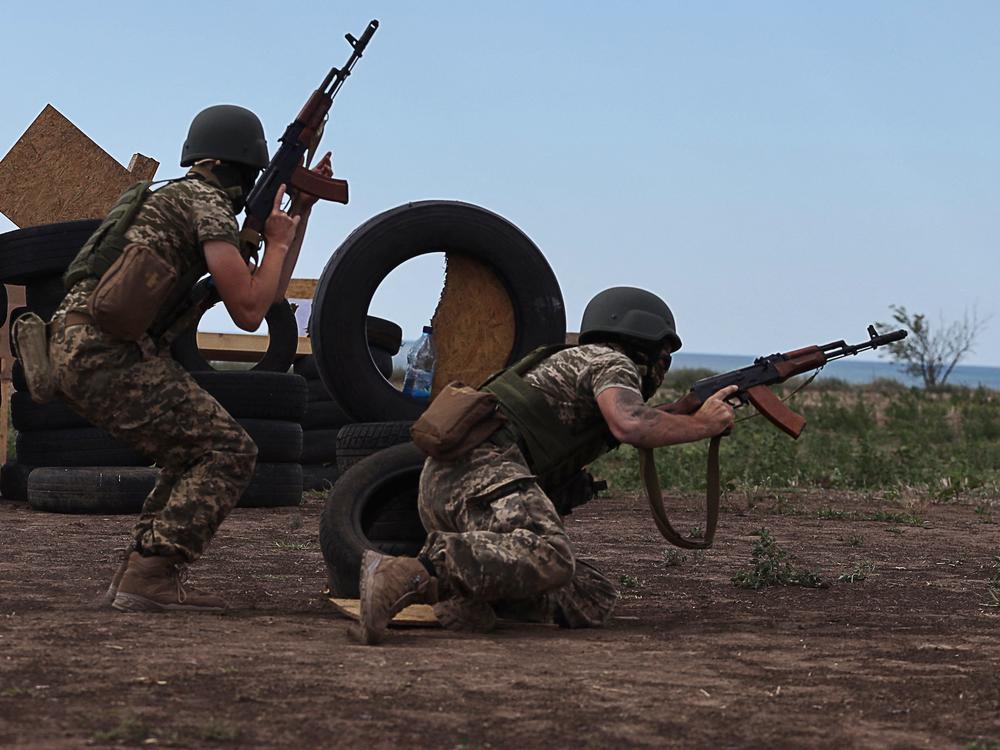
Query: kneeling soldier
x=496 y=542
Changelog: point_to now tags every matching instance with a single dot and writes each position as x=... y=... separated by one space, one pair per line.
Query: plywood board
x=473 y=324
x=56 y=173
x=240 y=347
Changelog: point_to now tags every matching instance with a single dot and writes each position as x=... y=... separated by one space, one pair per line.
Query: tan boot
x=106 y=599
x=388 y=584
x=466 y=615
x=156 y=584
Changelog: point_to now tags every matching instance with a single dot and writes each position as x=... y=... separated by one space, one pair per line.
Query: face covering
x=652 y=375
x=237 y=181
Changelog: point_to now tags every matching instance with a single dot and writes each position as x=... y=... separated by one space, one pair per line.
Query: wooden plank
x=56 y=173
x=240 y=347
x=301 y=289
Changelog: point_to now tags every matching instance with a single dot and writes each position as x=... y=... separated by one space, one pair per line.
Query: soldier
x=495 y=542
x=132 y=388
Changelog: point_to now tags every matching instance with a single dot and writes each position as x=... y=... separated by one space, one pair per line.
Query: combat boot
x=466 y=615
x=156 y=584
x=389 y=584
x=108 y=597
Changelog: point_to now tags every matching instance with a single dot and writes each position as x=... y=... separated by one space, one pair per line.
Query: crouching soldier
x=129 y=293
x=496 y=543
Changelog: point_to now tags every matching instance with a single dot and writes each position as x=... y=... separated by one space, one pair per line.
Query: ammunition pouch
x=459 y=419
x=30 y=335
x=129 y=295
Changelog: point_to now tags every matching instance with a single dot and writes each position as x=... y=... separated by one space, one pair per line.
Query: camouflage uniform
x=494 y=535
x=144 y=398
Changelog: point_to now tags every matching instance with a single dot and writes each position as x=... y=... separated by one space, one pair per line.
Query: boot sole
x=132 y=603
x=370 y=635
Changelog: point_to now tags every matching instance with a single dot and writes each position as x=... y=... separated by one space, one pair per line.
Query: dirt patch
x=905 y=658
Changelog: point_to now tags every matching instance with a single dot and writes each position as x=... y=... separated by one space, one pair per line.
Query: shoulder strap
x=651 y=481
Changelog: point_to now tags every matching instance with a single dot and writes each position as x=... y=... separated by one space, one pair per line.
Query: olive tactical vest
x=108 y=242
x=554 y=451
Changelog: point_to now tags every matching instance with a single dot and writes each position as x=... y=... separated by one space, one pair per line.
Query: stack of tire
x=374 y=503
x=65 y=464
x=325 y=419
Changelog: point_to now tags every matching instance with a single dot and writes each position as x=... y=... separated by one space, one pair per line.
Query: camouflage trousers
x=494 y=536
x=152 y=404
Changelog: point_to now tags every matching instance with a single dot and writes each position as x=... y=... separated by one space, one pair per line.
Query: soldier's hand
x=715 y=413
x=303 y=202
x=280 y=228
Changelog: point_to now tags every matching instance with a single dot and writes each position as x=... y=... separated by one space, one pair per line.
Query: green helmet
x=624 y=312
x=228 y=133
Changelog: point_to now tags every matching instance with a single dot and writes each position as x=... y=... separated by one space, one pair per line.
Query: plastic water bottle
x=419 y=367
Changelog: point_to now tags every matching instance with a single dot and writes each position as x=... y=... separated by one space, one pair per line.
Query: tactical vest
x=182 y=307
x=554 y=451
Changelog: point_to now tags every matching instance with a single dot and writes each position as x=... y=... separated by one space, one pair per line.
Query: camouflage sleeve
x=213 y=217
x=611 y=369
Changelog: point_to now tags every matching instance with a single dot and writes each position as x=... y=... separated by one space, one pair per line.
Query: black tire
x=123 y=489
x=381 y=244
x=16 y=313
x=106 y=489
x=306 y=367
x=14 y=481
x=274 y=485
x=31 y=253
x=382 y=360
x=17 y=376
x=356 y=442
x=257 y=395
x=318 y=393
x=3 y=304
x=384 y=334
x=83 y=446
x=43 y=295
x=319 y=476
x=26 y=415
x=319 y=446
x=324 y=415
x=283 y=339
x=277 y=441
x=372 y=506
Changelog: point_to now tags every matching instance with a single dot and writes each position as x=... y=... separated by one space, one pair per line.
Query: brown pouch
x=31 y=345
x=458 y=419
x=129 y=295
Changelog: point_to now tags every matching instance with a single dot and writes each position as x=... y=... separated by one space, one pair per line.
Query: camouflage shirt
x=570 y=382
x=179 y=218
x=572 y=379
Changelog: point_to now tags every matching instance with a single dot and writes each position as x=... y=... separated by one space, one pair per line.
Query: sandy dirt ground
x=906 y=658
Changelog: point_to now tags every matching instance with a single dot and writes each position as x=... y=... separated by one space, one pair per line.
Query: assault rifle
x=302 y=136
x=753 y=380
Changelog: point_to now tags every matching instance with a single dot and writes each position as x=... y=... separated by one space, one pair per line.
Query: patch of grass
x=984 y=745
x=860 y=572
x=894 y=530
x=673 y=557
x=128 y=731
x=769 y=566
x=856 y=540
x=628 y=582
x=696 y=532
x=296 y=546
x=875 y=438
x=14 y=692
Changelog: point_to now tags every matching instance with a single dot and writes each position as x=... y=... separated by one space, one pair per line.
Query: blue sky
x=780 y=172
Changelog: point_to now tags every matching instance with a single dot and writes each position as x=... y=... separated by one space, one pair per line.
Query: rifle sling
x=651 y=481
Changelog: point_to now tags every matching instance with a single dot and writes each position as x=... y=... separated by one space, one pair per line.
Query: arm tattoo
x=632 y=404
